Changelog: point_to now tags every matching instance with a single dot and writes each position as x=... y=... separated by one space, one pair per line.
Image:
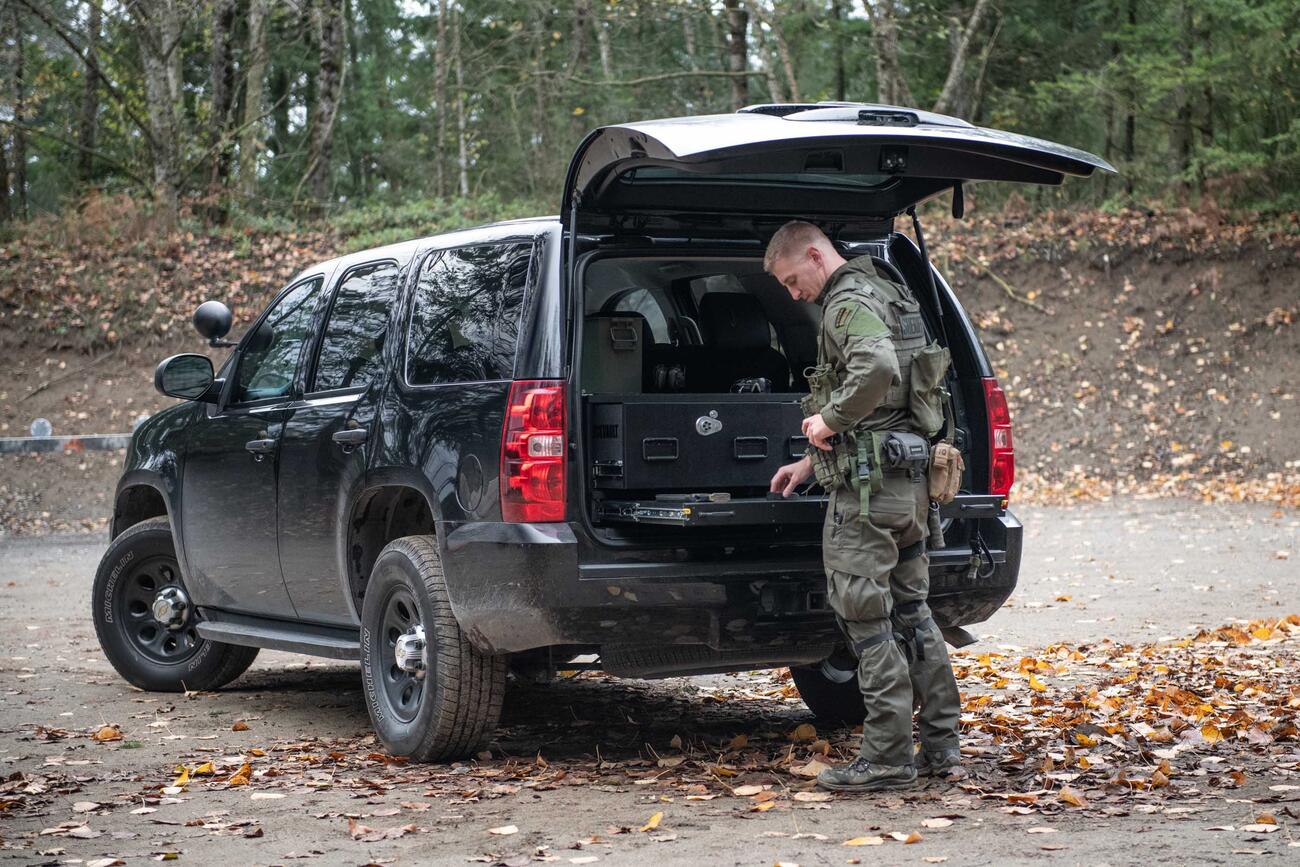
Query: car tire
x=837 y=701
x=446 y=710
x=139 y=566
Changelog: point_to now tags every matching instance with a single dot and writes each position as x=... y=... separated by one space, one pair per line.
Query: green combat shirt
x=856 y=342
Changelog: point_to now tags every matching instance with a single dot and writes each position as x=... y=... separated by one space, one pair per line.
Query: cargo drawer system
x=685 y=443
x=713 y=510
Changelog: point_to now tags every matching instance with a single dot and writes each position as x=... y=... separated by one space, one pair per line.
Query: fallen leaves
x=366 y=834
x=653 y=822
x=107 y=733
x=504 y=830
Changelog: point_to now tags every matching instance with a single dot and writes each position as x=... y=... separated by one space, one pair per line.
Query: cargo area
x=691 y=372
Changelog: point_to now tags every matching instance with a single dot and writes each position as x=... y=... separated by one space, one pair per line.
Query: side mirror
x=187 y=376
x=212 y=319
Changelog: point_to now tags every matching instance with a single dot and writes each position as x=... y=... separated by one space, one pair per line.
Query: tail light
x=1002 y=453
x=533 y=452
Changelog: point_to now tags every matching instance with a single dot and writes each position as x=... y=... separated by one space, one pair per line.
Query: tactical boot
x=863 y=776
x=937 y=763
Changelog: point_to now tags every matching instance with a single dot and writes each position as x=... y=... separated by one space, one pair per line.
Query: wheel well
x=136 y=504
x=382 y=515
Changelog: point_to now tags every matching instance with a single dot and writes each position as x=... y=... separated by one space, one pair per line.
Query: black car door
x=228 y=507
x=323 y=442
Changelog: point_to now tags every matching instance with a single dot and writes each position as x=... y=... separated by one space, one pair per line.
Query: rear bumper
x=516 y=587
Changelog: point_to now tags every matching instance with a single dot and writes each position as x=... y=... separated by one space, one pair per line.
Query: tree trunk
x=440 y=98
x=157 y=30
x=578 y=39
x=837 y=14
x=1130 y=119
x=737 y=54
x=250 y=136
x=891 y=83
x=782 y=47
x=329 y=25
x=223 y=93
x=20 y=115
x=954 y=86
x=462 y=142
x=602 y=43
x=5 y=212
x=89 y=120
x=1183 y=141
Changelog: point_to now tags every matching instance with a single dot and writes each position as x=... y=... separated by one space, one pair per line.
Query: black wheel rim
x=402 y=689
x=134 y=611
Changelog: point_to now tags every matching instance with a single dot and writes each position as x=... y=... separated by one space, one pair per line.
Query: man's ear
x=816 y=255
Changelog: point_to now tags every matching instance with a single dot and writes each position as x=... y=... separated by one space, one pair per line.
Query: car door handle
x=260 y=448
x=351 y=437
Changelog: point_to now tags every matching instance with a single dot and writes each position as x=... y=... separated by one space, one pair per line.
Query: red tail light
x=533 y=446
x=1002 y=453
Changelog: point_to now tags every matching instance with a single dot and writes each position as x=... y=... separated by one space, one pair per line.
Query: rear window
x=660 y=175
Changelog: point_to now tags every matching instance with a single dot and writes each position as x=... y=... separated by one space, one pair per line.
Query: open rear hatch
x=841 y=162
x=702 y=457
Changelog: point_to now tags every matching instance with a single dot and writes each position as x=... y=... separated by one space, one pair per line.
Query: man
x=874 y=541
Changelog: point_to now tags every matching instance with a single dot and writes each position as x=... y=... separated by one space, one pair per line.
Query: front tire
x=160 y=655
x=435 y=705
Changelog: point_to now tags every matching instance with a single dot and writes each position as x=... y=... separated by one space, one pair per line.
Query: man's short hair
x=794 y=237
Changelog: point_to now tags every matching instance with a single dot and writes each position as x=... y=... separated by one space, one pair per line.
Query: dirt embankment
x=1141 y=353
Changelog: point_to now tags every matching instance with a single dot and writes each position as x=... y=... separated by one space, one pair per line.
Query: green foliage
x=441 y=123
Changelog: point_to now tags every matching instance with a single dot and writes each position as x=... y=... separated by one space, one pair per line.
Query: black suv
x=522 y=446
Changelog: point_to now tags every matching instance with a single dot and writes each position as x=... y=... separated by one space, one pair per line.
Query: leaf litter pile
x=1099 y=730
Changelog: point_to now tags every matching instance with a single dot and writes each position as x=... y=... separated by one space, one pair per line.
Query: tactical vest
x=900 y=312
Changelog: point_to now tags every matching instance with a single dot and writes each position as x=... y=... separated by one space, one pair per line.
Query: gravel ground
x=1135 y=571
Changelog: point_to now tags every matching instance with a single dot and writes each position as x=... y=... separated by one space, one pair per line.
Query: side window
x=351 y=350
x=270 y=355
x=465 y=314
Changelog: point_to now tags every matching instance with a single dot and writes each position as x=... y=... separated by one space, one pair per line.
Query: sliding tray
x=713 y=510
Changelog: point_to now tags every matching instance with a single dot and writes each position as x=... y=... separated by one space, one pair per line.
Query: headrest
x=734 y=320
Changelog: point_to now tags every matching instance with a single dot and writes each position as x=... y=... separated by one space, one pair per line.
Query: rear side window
x=269 y=356
x=351 y=350
x=465 y=314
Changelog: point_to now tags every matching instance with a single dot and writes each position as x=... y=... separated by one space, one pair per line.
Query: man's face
x=802 y=274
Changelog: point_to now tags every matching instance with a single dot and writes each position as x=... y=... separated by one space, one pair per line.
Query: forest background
x=159 y=153
x=238 y=111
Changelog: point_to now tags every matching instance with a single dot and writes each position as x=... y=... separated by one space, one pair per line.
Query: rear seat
x=738 y=345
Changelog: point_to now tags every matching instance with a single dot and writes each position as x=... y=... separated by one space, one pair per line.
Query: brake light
x=1002 y=453
x=533 y=452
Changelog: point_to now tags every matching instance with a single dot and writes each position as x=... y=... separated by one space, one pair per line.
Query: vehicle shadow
x=568 y=718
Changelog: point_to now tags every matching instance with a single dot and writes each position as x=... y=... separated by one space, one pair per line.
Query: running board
x=333 y=643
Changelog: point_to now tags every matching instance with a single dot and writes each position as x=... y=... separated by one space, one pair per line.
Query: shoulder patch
x=856 y=319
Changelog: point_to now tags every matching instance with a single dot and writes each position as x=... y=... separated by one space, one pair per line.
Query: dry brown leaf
x=239 y=726
x=1071 y=797
x=108 y=733
x=746 y=791
x=653 y=822
x=804 y=733
x=871 y=840
x=813 y=797
x=936 y=822
x=812 y=769
x=504 y=830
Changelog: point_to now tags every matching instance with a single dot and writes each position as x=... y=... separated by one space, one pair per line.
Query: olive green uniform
x=877 y=570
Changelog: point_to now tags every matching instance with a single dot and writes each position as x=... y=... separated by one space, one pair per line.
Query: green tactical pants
x=880 y=598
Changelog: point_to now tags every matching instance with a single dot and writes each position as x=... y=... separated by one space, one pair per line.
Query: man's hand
x=791 y=476
x=818 y=432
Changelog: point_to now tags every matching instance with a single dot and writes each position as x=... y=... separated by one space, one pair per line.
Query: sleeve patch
x=856 y=320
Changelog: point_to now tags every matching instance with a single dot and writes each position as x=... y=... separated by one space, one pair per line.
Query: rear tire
x=832 y=701
x=139 y=565
x=455 y=704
